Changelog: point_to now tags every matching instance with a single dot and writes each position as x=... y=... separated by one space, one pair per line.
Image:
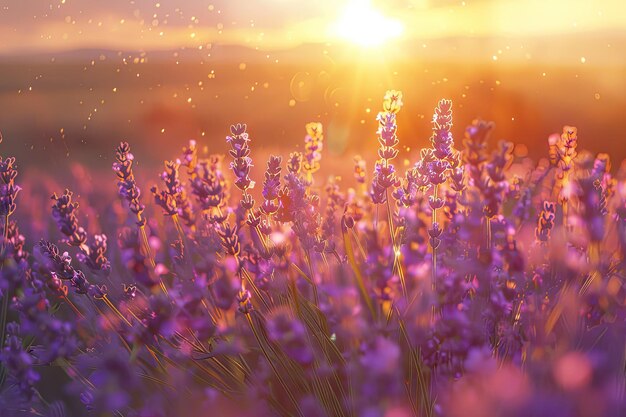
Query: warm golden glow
x=363 y=25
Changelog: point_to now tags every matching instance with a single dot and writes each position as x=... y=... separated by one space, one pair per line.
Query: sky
x=57 y=25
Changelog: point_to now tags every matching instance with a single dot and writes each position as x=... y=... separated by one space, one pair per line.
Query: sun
x=363 y=25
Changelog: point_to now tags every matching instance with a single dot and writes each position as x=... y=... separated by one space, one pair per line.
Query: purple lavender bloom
x=313 y=145
x=8 y=188
x=406 y=193
x=59 y=263
x=475 y=153
x=61 y=267
x=486 y=309
x=132 y=257
x=8 y=170
x=19 y=362
x=244 y=300
x=190 y=157
x=271 y=185
x=593 y=197
x=167 y=199
x=334 y=203
x=385 y=172
x=294 y=163
x=384 y=178
x=500 y=162
x=230 y=239
x=240 y=152
x=545 y=223
x=64 y=213
x=476 y=136
x=441 y=139
x=15 y=244
x=94 y=255
x=127 y=186
x=208 y=186
x=437 y=171
x=387 y=137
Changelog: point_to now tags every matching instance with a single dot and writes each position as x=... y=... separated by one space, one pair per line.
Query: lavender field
x=283 y=208
x=472 y=282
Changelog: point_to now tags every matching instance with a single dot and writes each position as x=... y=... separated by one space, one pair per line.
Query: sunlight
x=363 y=25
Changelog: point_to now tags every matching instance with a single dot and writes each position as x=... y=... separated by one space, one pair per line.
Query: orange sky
x=43 y=25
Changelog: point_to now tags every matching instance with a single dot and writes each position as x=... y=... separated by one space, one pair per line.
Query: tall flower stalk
x=564 y=146
x=8 y=194
x=385 y=172
x=437 y=164
x=313 y=145
x=129 y=191
x=241 y=165
x=172 y=199
x=92 y=254
x=246 y=331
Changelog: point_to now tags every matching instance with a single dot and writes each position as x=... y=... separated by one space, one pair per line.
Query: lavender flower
x=240 y=151
x=94 y=255
x=230 y=239
x=64 y=213
x=313 y=145
x=127 y=186
x=190 y=157
x=593 y=197
x=406 y=193
x=441 y=139
x=61 y=266
x=209 y=187
x=294 y=163
x=244 y=301
x=335 y=201
x=8 y=188
x=385 y=172
x=19 y=362
x=475 y=154
x=271 y=185
x=168 y=199
x=15 y=244
x=312 y=310
x=566 y=154
x=384 y=178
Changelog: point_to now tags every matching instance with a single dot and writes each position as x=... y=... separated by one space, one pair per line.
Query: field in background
x=76 y=106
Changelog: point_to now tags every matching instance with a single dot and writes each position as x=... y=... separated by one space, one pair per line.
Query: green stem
x=148 y=254
x=146 y=246
x=307 y=256
x=179 y=230
x=397 y=266
x=6 y=295
x=273 y=365
x=434 y=257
